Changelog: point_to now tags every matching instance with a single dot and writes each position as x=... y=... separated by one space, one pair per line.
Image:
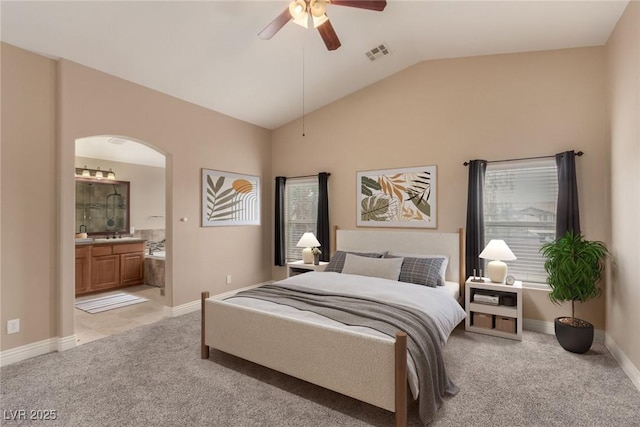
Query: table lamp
x=497 y=251
x=308 y=241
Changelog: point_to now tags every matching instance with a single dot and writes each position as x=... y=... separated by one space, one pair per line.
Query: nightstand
x=298 y=267
x=503 y=319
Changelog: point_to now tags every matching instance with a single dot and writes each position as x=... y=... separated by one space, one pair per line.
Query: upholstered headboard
x=417 y=242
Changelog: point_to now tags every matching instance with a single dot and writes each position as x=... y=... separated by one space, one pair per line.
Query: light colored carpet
x=153 y=375
x=109 y=302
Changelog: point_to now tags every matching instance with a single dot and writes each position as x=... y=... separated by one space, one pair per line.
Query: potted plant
x=316 y=255
x=574 y=266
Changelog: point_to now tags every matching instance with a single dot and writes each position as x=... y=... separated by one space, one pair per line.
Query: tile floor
x=90 y=327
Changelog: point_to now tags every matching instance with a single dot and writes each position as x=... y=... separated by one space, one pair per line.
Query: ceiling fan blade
x=377 y=5
x=275 y=25
x=329 y=35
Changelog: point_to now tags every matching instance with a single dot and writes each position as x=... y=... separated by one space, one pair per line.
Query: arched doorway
x=131 y=215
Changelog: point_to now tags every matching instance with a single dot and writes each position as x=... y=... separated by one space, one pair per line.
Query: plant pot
x=576 y=339
x=316 y=259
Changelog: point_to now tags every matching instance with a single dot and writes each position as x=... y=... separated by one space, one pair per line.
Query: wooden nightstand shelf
x=500 y=320
x=299 y=267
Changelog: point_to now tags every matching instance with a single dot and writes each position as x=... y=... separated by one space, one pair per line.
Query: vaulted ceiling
x=208 y=52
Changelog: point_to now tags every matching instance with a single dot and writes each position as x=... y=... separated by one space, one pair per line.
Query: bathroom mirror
x=102 y=206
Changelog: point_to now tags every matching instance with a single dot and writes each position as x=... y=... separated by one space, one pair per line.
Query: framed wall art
x=230 y=199
x=397 y=198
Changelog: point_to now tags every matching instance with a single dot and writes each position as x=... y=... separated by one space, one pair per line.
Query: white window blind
x=520 y=208
x=300 y=212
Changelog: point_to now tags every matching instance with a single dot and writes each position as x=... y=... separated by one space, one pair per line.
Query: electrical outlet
x=228 y=279
x=13 y=326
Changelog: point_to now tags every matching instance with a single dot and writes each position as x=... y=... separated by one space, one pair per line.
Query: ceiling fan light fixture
x=318 y=8
x=302 y=20
x=319 y=20
x=297 y=8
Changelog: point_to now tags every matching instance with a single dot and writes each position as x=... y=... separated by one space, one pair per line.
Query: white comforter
x=445 y=311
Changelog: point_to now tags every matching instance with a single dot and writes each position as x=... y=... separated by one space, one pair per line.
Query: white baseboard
x=192 y=306
x=24 y=352
x=545 y=327
x=627 y=366
x=67 y=343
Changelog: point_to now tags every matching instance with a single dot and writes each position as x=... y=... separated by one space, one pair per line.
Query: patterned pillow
x=422 y=271
x=443 y=266
x=336 y=264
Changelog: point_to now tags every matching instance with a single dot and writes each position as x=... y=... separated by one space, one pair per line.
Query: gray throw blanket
x=423 y=340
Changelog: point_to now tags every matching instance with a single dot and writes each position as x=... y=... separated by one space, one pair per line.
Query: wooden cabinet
x=83 y=269
x=101 y=267
x=132 y=268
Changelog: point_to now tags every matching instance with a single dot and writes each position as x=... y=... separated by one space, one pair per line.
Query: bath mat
x=100 y=304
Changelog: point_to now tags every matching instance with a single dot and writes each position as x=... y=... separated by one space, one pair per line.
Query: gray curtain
x=475 y=217
x=567 y=210
x=322 y=232
x=280 y=256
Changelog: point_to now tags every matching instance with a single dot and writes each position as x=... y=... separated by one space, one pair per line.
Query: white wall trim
x=67 y=343
x=545 y=327
x=627 y=366
x=192 y=306
x=24 y=352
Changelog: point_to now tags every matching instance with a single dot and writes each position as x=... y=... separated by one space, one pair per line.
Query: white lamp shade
x=497 y=251
x=308 y=240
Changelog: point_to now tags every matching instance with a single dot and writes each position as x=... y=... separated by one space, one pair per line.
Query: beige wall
x=146 y=189
x=29 y=214
x=44 y=101
x=192 y=137
x=445 y=112
x=623 y=295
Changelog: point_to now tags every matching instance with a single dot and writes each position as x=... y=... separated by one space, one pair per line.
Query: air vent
x=378 y=52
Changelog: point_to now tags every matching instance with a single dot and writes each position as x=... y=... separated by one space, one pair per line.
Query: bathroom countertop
x=102 y=241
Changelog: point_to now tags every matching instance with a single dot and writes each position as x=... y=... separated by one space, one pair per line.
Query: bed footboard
x=367 y=368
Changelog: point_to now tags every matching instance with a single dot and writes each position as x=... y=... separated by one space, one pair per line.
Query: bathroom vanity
x=108 y=264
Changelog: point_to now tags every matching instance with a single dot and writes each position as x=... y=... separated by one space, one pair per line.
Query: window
x=520 y=208
x=300 y=213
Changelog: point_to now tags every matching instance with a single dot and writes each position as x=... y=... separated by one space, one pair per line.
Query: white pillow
x=443 y=267
x=385 y=268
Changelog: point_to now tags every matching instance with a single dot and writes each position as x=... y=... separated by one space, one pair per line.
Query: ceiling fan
x=305 y=12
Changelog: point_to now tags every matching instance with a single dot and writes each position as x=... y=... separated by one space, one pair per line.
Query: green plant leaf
x=375 y=208
x=574 y=266
x=367 y=185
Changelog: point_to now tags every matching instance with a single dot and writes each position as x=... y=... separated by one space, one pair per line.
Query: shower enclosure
x=102 y=206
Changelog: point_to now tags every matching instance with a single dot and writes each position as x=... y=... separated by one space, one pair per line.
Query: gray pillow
x=337 y=260
x=443 y=266
x=385 y=268
x=422 y=271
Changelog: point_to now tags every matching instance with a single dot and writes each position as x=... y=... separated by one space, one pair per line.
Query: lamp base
x=307 y=256
x=497 y=271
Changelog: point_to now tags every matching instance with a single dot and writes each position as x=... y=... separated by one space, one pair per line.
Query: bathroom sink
x=116 y=240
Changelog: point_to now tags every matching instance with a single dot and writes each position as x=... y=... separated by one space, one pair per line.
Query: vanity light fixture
x=97 y=173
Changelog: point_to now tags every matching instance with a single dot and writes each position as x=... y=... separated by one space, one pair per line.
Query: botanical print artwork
x=229 y=199
x=397 y=197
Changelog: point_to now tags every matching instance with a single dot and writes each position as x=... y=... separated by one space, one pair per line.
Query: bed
x=369 y=363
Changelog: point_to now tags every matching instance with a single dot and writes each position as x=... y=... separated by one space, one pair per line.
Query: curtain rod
x=579 y=153
x=305 y=176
